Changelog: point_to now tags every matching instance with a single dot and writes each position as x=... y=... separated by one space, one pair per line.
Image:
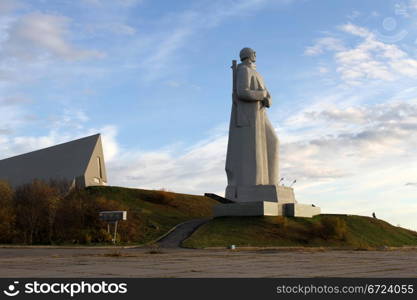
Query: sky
x=154 y=78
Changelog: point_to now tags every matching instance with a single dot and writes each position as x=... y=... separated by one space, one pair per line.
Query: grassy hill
x=323 y=230
x=38 y=215
x=152 y=212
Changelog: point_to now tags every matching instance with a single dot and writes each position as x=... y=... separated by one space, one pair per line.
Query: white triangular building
x=79 y=162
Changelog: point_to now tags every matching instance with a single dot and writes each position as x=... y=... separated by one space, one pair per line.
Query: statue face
x=252 y=57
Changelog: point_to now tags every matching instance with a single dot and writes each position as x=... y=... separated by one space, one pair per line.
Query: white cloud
x=325 y=44
x=39 y=36
x=377 y=136
x=110 y=145
x=323 y=70
x=19 y=143
x=197 y=170
x=23 y=144
x=356 y=30
x=355 y=159
x=369 y=59
x=163 y=52
x=181 y=27
x=406 y=67
x=11 y=145
x=69 y=118
x=349 y=115
x=11 y=118
x=71 y=124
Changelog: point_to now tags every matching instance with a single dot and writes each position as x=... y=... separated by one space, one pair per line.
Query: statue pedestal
x=263 y=200
x=301 y=210
x=270 y=193
x=265 y=208
x=246 y=209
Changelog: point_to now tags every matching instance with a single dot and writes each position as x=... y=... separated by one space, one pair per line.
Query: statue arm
x=243 y=87
x=267 y=101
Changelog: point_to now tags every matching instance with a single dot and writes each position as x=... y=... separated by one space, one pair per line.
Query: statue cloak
x=253 y=146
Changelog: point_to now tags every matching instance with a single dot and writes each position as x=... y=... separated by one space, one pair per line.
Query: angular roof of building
x=64 y=161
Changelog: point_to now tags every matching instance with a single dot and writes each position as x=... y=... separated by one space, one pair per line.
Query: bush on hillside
x=162 y=197
x=330 y=227
x=282 y=222
x=78 y=220
x=35 y=205
x=50 y=213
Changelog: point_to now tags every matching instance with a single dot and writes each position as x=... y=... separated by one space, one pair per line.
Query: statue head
x=247 y=53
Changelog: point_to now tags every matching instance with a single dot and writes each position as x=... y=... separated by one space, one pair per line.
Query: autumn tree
x=7 y=215
x=36 y=205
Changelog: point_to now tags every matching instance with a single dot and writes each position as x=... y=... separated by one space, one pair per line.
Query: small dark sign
x=113 y=216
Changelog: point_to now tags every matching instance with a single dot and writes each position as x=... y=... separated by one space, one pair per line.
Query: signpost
x=113 y=217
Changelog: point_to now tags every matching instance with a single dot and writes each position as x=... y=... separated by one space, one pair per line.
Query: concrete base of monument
x=263 y=200
x=301 y=210
x=265 y=208
x=268 y=193
x=246 y=209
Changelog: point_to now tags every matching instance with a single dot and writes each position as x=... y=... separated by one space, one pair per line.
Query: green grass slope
x=320 y=231
x=154 y=213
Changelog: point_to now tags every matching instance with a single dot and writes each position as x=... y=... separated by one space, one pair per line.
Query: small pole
x=108 y=227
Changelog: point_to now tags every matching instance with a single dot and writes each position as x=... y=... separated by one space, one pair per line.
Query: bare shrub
x=53 y=212
x=78 y=220
x=330 y=228
x=281 y=222
x=35 y=205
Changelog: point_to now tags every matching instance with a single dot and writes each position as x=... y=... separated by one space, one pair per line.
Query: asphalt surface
x=188 y=263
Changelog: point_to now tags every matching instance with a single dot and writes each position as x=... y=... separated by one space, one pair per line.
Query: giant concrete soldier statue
x=252 y=152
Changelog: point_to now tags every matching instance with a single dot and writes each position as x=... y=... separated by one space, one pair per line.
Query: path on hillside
x=180 y=233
